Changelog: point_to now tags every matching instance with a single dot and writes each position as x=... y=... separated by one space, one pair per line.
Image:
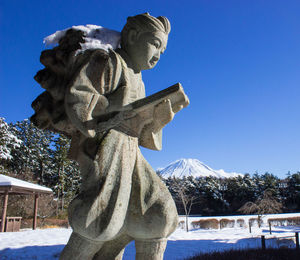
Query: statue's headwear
x=145 y=23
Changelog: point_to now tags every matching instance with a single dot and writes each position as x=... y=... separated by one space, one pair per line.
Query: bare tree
x=268 y=204
x=185 y=197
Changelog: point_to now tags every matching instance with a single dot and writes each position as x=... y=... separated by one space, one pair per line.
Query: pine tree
x=239 y=190
x=292 y=191
x=34 y=155
x=8 y=143
x=67 y=176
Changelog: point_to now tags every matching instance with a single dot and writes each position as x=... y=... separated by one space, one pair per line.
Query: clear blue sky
x=238 y=61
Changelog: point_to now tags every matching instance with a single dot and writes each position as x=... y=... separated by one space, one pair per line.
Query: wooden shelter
x=13 y=186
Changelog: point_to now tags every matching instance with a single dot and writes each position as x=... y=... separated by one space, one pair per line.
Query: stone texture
x=98 y=99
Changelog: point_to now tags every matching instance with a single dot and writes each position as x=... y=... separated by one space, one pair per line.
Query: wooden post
x=36 y=202
x=270 y=228
x=3 y=219
x=249 y=226
x=263 y=242
x=297 y=240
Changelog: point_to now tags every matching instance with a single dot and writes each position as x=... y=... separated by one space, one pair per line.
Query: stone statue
x=97 y=98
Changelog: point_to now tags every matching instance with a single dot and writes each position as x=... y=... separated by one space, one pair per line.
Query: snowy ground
x=48 y=243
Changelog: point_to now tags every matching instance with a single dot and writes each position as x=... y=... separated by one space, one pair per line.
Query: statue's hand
x=115 y=120
x=163 y=114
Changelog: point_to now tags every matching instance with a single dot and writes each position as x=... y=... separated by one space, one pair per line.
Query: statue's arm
x=85 y=98
x=81 y=100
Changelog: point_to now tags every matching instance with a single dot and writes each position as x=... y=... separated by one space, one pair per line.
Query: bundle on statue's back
x=95 y=95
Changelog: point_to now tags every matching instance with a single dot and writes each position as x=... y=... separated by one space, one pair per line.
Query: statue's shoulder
x=98 y=60
x=103 y=68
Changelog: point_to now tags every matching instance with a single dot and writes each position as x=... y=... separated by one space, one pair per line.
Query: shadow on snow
x=177 y=249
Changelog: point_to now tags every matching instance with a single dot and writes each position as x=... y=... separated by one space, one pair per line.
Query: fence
x=263 y=240
x=12 y=224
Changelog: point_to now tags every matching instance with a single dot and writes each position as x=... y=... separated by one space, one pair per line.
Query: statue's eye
x=156 y=43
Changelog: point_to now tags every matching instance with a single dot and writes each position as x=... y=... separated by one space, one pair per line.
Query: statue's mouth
x=153 y=61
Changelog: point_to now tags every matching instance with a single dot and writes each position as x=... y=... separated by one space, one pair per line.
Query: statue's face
x=146 y=49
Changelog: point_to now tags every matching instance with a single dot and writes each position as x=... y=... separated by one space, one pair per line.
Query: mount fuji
x=193 y=167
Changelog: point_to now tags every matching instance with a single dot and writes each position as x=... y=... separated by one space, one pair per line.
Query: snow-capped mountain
x=193 y=167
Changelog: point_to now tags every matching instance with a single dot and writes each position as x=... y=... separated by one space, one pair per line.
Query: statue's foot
x=79 y=248
x=150 y=249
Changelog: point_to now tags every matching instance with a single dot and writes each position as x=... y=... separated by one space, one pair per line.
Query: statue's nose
x=157 y=55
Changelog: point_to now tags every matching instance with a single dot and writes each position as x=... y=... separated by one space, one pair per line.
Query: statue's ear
x=132 y=36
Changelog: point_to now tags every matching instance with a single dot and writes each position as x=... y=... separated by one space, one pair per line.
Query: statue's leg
x=152 y=211
x=113 y=249
x=152 y=249
x=79 y=248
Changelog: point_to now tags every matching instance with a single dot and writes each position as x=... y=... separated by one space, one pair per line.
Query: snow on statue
x=95 y=37
x=97 y=98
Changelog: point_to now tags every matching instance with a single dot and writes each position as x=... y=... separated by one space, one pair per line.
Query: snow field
x=45 y=244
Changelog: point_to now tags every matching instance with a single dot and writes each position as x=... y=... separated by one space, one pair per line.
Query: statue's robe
x=120 y=192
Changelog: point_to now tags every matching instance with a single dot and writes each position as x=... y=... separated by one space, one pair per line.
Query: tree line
x=227 y=196
x=31 y=154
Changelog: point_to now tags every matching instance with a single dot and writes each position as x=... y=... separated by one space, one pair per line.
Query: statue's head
x=144 y=38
